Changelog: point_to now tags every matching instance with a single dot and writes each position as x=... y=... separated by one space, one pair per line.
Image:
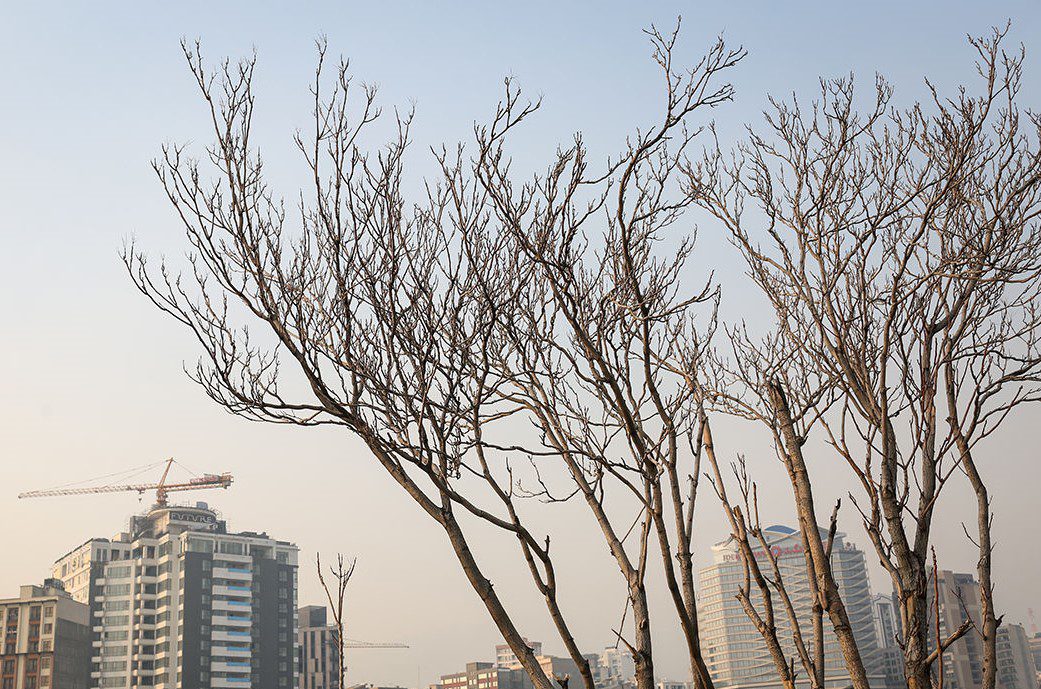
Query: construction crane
x=354 y=643
x=162 y=488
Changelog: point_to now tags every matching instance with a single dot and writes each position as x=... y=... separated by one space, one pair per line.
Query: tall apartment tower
x=318 y=650
x=46 y=639
x=179 y=602
x=736 y=654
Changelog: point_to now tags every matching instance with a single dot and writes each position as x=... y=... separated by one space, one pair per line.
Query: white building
x=735 y=652
x=178 y=602
x=614 y=667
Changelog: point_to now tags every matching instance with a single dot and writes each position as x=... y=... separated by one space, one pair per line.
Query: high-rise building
x=46 y=639
x=959 y=600
x=735 y=652
x=1015 y=666
x=1035 y=652
x=886 y=621
x=318 y=649
x=179 y=602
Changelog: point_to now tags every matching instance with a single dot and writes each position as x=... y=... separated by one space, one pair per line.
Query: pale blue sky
x=90 y=378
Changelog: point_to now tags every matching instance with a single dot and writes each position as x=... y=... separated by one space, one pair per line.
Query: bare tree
x=900 y=252
x=370 y=299
x=429 y=328
x=599 y=332
x=337 y=597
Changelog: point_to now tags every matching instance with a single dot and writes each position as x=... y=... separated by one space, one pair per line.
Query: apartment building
x=180 y=602
x=318 y=650
x=46 y=639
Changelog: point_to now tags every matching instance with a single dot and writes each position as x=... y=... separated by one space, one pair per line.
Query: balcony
x=241 y=606
x=243 y=622
x=239 y=591
x=231 y=651
x=236 y=573
x=230 y=666
x=224 y=682
x=230 y=636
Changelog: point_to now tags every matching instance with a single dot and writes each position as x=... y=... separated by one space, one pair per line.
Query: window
x=232 y=548
x=48 y=612
x=200 y=545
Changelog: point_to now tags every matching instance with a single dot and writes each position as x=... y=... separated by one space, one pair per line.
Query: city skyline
x=93 y=376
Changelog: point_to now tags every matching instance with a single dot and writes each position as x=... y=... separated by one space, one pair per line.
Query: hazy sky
x=90 y=375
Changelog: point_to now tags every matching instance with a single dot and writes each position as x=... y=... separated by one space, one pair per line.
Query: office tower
x=318 y=650
x=46 y=639
x=179 y=602
x=886 y=622
x=736 y=654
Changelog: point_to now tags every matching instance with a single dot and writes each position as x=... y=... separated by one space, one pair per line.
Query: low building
x=46 y=639
x=482 y=675
x=506 y=672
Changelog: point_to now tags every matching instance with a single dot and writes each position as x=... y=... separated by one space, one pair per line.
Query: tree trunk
x=832 y=600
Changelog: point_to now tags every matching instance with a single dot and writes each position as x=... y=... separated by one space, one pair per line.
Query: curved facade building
x=736 y=654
